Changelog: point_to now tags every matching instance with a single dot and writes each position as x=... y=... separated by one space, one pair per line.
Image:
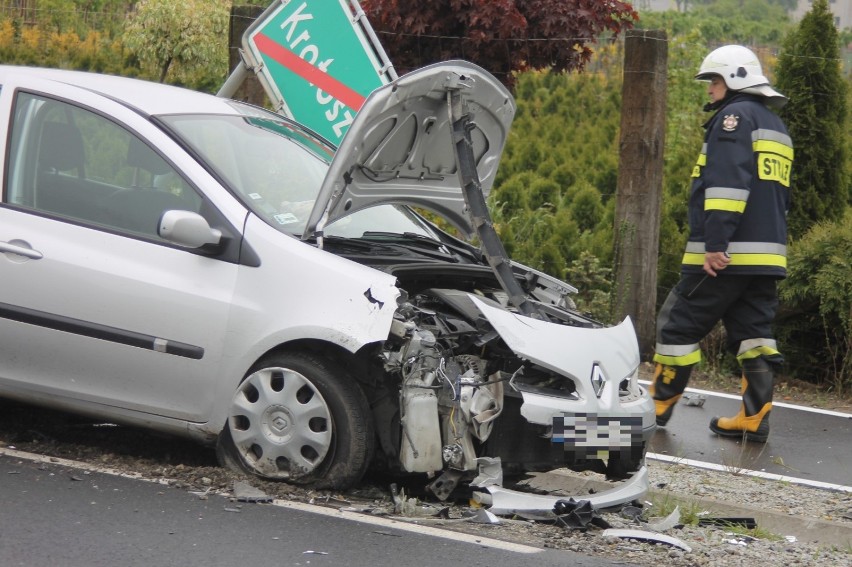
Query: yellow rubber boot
x=667 y=388
x=752 y=421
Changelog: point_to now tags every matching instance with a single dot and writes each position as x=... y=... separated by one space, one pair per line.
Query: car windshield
x=276 y=169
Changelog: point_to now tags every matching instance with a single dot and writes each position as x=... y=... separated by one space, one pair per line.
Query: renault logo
x=598 y=380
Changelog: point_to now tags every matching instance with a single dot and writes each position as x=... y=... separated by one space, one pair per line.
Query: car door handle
x=20 y=248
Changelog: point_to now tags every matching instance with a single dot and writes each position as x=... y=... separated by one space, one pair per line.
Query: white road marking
x=312 y=508
x=774 y=403
x=748 y=472
x=407 y=526
x=36 y=458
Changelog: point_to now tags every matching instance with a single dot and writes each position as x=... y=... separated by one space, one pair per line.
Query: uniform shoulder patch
x=730 y=122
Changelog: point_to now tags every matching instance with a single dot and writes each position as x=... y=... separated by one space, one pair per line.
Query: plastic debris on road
x=244 y=492
x=651 y=537
x=694 y=399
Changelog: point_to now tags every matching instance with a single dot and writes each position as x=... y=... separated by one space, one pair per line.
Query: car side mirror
x=187 y=228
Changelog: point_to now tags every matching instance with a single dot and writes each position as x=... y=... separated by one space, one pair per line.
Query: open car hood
x=400 y=146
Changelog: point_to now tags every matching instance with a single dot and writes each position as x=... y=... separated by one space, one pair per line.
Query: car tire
x=299 y=418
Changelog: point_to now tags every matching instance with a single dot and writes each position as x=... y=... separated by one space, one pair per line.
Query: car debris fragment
x=481 y=516
x=244 y=492
x=201 y=494
x=412 y=507
x=490 y=472
x=650 y=537
x=739 y=540
x=573 y=514
x=694 y=399
x=507 y=502
x=668 y=522
x=330 y=502
x=632 y=513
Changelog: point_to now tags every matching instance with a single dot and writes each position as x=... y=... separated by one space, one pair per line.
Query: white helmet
x=740 y=68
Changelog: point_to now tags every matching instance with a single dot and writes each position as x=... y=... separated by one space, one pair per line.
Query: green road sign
x=318 y=60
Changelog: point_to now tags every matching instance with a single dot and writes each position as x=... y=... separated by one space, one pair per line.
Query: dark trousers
x=745 y=304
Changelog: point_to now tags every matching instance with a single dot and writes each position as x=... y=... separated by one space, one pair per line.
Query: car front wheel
x=299 y=418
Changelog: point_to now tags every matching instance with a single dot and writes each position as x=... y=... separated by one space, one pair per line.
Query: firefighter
x=736 y=251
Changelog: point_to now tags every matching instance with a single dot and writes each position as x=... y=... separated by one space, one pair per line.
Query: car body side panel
x=321 y=298
x=90 y=280
x=97 y=292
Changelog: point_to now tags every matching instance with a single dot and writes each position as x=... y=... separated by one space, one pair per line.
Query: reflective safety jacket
x=740 y=193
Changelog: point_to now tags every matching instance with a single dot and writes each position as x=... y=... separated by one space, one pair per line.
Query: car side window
x=73 y=163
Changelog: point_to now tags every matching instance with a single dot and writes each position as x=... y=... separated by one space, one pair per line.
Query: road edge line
x=409 y=526
x=749 y=472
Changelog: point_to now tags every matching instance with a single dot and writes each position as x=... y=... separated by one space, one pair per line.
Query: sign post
x=317 y=61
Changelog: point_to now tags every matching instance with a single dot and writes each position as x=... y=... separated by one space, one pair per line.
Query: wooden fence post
x=640 y=181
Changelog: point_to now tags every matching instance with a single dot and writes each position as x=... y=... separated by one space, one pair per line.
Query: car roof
x=148 y=97
x=412 y=163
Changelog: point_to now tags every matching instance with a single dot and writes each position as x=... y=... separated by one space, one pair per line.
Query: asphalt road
x=51 y=514
x=814 y=446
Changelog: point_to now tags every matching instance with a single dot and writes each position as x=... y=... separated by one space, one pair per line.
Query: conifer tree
x=809 y=74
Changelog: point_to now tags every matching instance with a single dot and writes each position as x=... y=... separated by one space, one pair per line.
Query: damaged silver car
x=203 y=267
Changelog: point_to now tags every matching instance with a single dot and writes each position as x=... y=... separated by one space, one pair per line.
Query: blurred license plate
x=598 y=435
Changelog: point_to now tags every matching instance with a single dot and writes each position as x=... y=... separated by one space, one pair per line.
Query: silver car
x=202 y=267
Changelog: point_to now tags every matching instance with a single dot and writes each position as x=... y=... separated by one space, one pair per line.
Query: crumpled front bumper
x=505 y=502
x=602 y=416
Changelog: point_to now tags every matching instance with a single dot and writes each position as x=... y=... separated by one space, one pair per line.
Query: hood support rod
x=492 y=246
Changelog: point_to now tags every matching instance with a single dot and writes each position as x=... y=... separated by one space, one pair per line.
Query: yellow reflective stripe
x=757 y=351
x=757 y=260
x=750 y=344
x=775 y=147
x=683 y=360
x=694 y=259
x=724 y=205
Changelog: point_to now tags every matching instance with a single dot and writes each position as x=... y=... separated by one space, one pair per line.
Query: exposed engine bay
x=454 y=396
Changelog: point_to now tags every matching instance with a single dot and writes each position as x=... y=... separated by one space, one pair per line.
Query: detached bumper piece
x=505 y=502
x=650 y=537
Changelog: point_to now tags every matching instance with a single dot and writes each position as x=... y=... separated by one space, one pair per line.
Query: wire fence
x=28 y=13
